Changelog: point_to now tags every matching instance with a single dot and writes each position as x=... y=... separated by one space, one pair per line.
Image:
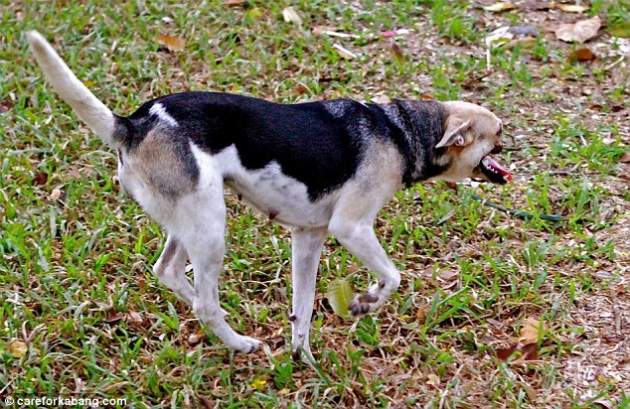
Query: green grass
x=75 y=273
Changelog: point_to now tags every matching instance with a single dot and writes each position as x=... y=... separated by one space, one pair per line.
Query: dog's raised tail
x=95 y=114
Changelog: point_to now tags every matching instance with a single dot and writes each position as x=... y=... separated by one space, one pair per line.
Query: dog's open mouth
x=493 y=171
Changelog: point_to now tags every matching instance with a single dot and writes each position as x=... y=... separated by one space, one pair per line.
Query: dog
x=317 y=167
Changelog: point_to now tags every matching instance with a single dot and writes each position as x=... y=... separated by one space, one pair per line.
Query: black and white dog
x=317 y=167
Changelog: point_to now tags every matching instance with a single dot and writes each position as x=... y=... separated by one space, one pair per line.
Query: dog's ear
x=454 y=134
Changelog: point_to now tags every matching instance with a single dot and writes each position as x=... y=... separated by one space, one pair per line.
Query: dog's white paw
x=370 y=301
x=246 y=345
x=364 y=303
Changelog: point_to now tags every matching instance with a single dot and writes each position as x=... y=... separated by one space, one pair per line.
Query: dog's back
x=318 y=144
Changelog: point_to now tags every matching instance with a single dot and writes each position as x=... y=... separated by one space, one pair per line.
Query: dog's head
x=471 y=134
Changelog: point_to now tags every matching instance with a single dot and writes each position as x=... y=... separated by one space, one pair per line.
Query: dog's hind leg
x=170 y=270
x=306 y=246
x=201 y=229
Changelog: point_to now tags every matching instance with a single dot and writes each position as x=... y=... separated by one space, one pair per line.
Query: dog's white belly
x=276 y=195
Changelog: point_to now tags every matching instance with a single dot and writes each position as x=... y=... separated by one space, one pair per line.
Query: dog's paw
x=364 y=303
x=247 y=345
x=303 y=354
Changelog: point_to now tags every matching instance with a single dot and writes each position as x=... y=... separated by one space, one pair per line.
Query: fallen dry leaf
x=581 y=31
x=55 y=194
x=421 y=313
x=449 y=275
x=234 y=2
x=530 y=352
x=529 y=331
x=504 y=353
x=5 y=106
x=17 y=348
x=134 y=317
x=434 y=380
x=500 y=6
x=397 y=51
x=582 y=54
x=40 y=178
x=196 y=338
x=572 y=8
x=625 y=158
x=171 y=43
x=113 y=317
x=291 y=16
x=207 y=403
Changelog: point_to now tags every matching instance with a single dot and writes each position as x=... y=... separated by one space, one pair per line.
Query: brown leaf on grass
x=581 y=31
x=505 y=353
x=625 y=158
x=171 y=43
x=527 y=352
x=5 y=106
x=300 y=89
x=113 y=317
x=40 y=178
x=55 y=194
x=234 y=2
x=582 y=54
x=572 y=8
x=207 y=403
x=134 y=318
x=421 y=313
x=449 y=275
x=529 y=331
x=17 y=348
x=530 y=352
x=196 y=337
x=433 y=380
x=352 y=268
x=397 y=51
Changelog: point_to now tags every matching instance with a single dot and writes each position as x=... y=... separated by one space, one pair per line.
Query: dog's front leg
x=306 y=246
x=359 y=238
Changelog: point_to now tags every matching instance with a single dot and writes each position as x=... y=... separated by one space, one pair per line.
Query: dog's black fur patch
x=321 y=144
x=415 y=127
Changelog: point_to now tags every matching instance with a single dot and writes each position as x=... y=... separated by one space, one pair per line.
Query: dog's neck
x=419 y=126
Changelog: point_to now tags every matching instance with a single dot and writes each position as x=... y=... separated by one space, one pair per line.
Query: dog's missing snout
x=317 y=167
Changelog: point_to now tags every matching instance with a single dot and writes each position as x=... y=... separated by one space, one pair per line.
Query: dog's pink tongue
x=493 y=165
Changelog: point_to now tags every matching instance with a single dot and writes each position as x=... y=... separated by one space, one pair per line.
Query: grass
x=82 y=315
